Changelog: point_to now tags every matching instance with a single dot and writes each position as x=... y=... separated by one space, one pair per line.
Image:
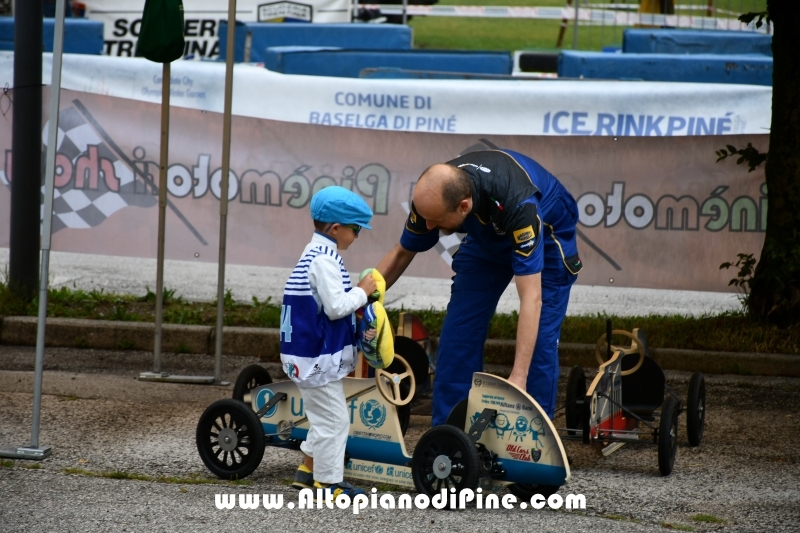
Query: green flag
x=161 y=33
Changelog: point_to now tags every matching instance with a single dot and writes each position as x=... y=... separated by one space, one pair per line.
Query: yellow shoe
x=337 y=489
x=303 y=478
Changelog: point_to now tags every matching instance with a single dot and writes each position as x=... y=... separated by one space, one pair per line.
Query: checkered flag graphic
x=81 y=208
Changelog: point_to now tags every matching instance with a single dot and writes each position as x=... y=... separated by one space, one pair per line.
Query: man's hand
x=518 y=379
x=368 y=284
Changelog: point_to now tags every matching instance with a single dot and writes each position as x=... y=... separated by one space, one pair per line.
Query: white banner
x=617 y=16
x=486 y=107
x=122 y=19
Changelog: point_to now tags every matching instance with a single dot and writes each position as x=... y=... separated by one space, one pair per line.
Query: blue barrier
x=349 y=63
x=81 y=36
x=658 y=41
x=353 y=36
x=698 y=68
x=402 y=74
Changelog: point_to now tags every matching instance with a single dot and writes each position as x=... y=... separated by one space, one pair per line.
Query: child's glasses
x=355 y=227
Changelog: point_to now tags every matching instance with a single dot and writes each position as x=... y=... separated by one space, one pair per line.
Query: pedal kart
x=628 y=401
x=497 y=437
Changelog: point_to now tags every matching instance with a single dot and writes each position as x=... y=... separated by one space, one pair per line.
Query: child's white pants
x=327 y=414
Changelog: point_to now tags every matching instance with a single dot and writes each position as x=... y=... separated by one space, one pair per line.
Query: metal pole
x=223 y=201
x=405 y=17
x=575 y=31
x=49 y=185
x=34 y=451
x=157 y=375
x=162 y=212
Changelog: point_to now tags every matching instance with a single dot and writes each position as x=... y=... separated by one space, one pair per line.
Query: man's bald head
x=444 y=185
x=443 y=197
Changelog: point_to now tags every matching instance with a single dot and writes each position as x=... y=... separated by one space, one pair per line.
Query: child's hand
x=368 y=284
x=369 y=334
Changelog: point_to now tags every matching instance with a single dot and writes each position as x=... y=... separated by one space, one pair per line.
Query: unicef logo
x=379 y=470
x=264 y=396
x=373 y=414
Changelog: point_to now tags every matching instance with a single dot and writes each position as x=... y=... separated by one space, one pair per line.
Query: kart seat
x=642 y=391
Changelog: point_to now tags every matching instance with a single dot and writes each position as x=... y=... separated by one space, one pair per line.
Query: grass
x=516 y=34
x=119 y=474
x=707 y=519
x=729 y=332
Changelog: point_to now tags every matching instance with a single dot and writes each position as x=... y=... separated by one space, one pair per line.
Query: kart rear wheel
x=417 y=359
x=458 y=416
x=696 y=409
x=576 y=392
x=526 y=491
x=404 y=411
x=251 y=377
x=444 y=458
x=668 y=436
x=230 y=439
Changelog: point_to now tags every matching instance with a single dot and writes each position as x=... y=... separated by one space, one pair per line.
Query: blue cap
x=338 y=205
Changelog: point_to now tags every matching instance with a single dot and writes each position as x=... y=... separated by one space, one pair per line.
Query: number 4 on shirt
x=286 y=322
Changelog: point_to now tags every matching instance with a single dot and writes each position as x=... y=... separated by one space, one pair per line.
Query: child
x=318 y=335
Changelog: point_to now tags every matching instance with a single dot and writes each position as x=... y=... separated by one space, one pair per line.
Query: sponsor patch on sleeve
x=526 y=239
x=523 y=235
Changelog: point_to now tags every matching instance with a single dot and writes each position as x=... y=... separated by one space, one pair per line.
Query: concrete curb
x=264 y=344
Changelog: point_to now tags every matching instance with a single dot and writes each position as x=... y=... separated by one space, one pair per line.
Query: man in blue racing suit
x=520 y=223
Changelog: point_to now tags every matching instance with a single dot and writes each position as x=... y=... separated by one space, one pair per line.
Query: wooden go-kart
x=625 y=402
x=497 y=437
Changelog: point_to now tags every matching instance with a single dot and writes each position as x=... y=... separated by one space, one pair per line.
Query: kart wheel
x=404 y=411
x=417 y=359
x=251 y=377
x=668 y=436
x=576 y=392
x=696 y=409
x=526 y=491
x=230 y=439
x=444 y=458
x=458 y=416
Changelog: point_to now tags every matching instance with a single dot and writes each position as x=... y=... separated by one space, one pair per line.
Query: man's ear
x=464 y=206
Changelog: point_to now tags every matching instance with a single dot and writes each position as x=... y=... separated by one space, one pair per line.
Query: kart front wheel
x=230 y=439
x=444 y=458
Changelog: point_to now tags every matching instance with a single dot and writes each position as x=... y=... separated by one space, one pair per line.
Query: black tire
x=438 y=447
x=696 y=409
x=458 y=416
x=526 y=491
x=251 y=377
x=576 y=392
x=243 y=450
x=417 y=359
x=404 y=411
x=668 y=436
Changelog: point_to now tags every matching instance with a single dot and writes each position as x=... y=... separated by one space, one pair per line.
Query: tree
x=775 y=287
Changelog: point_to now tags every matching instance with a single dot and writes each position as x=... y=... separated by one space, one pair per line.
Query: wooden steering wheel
x=639 y=348
x=389 y=384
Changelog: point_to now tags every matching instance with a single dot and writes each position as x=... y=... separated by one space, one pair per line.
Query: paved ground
x=198 y=281
x=98 y=418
